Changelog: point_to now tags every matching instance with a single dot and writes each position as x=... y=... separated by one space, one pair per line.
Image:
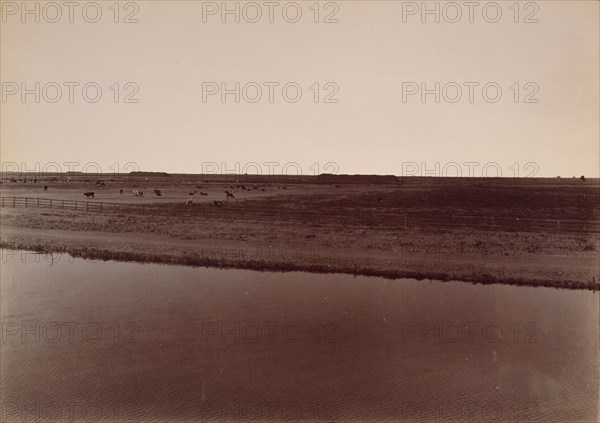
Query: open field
x=518 y=231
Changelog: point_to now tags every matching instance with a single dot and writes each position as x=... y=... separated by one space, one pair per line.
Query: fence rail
x=396 y=218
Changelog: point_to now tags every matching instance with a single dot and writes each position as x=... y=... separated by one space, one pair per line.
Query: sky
x=377 y=87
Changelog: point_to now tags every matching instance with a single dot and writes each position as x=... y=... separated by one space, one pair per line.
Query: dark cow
x=45 y=187
x=203 y=193
x=189 y=202
x=89 y=194
x=121 y=191
x=158 y=192
x=191 y=193
x=229 y=195
x=218 y=203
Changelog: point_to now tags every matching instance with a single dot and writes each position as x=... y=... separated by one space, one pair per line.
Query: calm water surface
x=120 y=342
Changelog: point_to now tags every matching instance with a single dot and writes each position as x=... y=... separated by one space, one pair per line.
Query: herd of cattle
x=228 y=194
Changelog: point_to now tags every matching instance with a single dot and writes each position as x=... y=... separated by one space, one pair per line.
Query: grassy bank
x=197 y=260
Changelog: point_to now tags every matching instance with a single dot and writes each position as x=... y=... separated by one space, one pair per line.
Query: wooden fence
x=364 y=216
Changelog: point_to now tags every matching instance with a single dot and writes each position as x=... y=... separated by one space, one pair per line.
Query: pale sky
x=368 y=56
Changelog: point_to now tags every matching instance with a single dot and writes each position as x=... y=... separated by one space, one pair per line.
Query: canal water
x=128 y=342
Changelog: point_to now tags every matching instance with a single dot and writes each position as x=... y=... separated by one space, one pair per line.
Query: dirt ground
x=516 y=231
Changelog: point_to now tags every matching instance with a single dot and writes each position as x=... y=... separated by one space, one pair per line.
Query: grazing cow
x=35 y=181
x=422 y=198
x=229 y=195
x=89 y=194
x=582 y=178
x=218 y=203
x=262 y=189
x=121 y=191
x=203 y=193
x=138 y=193
x=158 y=192
x=191 y=193
x=45 y=187
x=189 y=202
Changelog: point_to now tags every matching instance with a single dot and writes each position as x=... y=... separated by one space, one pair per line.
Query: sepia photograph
x=303 y=211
